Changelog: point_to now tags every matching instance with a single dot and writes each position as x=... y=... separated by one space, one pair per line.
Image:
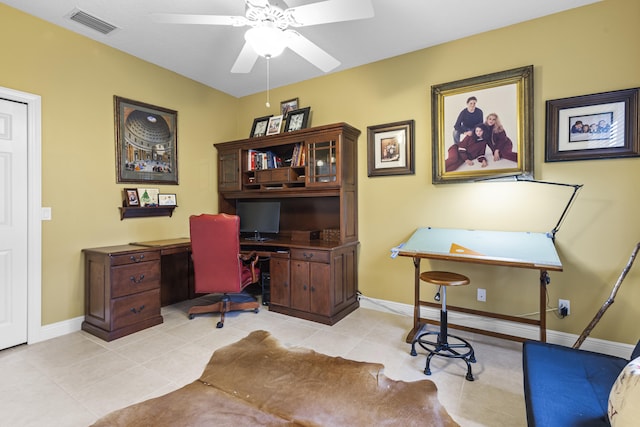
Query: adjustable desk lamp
x=529 y=178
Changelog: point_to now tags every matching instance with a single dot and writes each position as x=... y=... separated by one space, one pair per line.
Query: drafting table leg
x=544 y=281
x=417 y=326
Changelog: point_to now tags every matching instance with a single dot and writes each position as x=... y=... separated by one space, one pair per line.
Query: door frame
x=34 y=204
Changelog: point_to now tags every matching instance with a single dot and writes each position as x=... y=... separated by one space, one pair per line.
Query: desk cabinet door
x=280 y=289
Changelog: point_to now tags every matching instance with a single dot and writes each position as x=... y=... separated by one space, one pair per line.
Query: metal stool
x=461 y=349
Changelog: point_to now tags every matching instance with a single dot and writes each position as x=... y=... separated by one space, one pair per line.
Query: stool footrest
x=440 y=346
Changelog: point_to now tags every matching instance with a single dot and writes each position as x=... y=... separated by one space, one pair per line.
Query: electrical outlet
x=482 y=295
x=564 y=304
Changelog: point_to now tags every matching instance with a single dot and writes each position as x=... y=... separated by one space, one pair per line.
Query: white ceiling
x=206 y=53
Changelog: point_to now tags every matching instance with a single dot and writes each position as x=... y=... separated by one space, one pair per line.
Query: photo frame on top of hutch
x=288 y=106
x=146 y=143
x=598 y=126
x=297 y=119
x=259 y=127
x=390 y=149
x=275 y=125
x=483 y=127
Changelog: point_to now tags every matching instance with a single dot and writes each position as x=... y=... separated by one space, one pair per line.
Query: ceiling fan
x=270 y=34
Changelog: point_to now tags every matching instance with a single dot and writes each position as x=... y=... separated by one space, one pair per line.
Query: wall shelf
x=139 y=212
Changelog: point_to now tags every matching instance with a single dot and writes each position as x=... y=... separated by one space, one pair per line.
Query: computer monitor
x=258 y=217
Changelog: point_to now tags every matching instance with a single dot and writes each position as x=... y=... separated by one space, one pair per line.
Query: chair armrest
x=251 y=259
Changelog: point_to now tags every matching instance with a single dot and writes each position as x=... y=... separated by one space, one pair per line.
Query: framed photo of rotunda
x=146 y=142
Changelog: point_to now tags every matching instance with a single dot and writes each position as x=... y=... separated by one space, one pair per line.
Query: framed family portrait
x=598 y=126
x=259 y=127
x=146 y=142
x=390 y=149
x=483 y=127
x=297 y=119
x=287 y=106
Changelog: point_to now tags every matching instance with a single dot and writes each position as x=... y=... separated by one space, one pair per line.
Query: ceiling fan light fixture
x=267 y=41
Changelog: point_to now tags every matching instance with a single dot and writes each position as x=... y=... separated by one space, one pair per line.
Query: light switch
x=45 y=214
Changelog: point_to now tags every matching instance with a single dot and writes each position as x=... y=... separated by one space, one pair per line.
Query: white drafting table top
x=507 y=248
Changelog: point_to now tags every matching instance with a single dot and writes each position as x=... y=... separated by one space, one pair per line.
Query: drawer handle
x=137 y=311
x=307 y=256
x=304 y=287
x=133 y=258
x=133 y=279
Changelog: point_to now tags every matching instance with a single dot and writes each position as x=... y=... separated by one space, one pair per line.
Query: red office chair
x=218 y=265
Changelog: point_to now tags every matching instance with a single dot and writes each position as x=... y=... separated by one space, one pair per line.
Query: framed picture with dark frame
x=146 y=143
x=297 y=119
x=598 y=126
x=483 y=127
x=131 y=197
x=167 y=199
x=275 y=125
x=288 y=106
x=390 y=149
x=259 y=127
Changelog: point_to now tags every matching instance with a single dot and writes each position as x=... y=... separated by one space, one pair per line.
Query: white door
x=13 y=223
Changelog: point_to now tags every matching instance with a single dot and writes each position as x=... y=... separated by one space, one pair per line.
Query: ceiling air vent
x=91 y=21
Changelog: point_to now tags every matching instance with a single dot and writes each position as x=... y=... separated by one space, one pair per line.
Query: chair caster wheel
x=255 y=310
x=219 y=325
x=191 y=316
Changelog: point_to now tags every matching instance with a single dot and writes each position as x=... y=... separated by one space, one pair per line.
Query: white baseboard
x=501 y=326
x=58 y=329
x=485 y=323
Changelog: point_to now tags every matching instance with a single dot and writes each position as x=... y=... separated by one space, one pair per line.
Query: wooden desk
x=502 y=248
x=176 y=279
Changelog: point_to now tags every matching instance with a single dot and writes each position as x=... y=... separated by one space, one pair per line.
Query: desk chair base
x=227 y=302
x=461 y=349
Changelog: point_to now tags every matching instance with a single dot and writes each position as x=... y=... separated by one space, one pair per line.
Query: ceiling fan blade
x=310 y=51
x=328 y=11
x=173 y=18
x=246 y=60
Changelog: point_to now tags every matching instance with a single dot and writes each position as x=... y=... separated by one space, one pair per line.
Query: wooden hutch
x=313 y=261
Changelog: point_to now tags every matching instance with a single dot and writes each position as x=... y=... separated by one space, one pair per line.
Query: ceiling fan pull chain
x=268 y=104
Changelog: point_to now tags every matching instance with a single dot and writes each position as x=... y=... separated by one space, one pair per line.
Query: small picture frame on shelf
x=167 y=200
x=259 y=127
x=288 y=106
x=148 y=197
x=131 y=197
x=297 y=119
x=275 y=124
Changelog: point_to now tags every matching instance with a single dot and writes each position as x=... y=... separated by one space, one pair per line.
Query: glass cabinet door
x=322 y=163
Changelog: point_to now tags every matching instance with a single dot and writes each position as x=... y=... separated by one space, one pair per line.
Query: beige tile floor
x=77 y=378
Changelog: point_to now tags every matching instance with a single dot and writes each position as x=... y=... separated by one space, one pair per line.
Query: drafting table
x=501 y=248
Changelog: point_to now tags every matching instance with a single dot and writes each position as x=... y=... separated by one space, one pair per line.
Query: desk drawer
x=134 y=278
x=310 y=255
x=132 y=309
x=135 y=258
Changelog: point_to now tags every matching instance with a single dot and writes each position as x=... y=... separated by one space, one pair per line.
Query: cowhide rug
x=258 y=382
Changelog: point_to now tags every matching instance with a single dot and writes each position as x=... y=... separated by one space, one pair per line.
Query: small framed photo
x=274 y=126
x=297 y=119
x=598 y=126
x=390 y=149
x=288 y=106
x=148 y=196
x=167 y=200
x=131 y=197
x=259 y=127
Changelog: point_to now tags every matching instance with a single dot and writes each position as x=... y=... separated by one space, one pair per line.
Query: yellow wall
x=583 y=51
x=587 y=50
x=77 y=79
